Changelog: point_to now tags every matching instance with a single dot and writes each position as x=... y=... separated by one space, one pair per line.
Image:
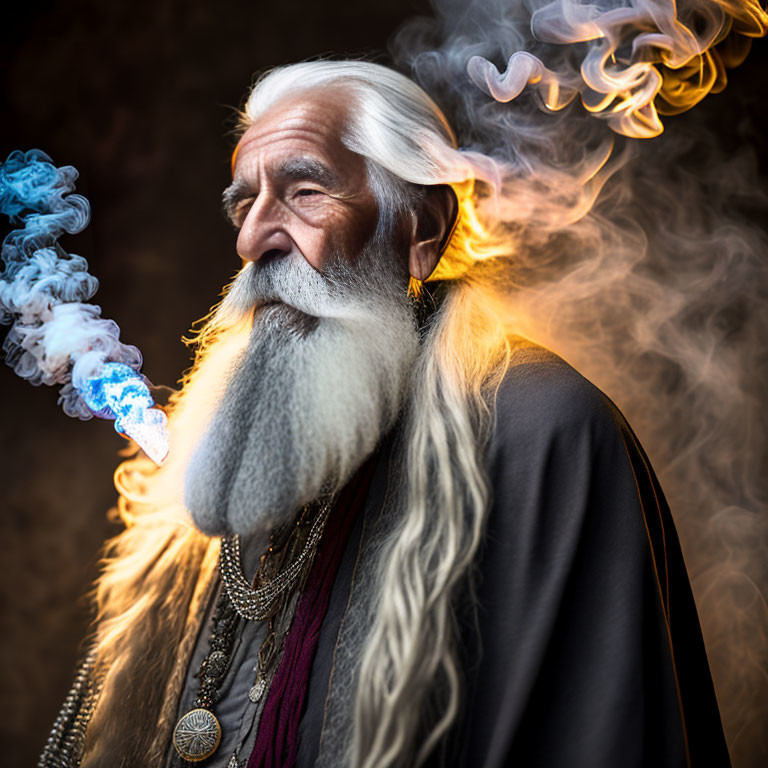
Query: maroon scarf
x=277 y=740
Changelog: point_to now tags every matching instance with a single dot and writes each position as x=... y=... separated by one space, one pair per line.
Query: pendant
x=257 y=690
x=197 y=735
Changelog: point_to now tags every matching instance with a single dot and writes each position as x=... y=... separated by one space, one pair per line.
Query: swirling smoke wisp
x=56 y=337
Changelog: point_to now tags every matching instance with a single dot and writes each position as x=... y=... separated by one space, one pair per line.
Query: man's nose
x=263 y=233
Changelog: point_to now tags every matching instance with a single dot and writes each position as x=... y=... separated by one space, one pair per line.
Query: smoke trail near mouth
x=56 y=337
x=638 y=261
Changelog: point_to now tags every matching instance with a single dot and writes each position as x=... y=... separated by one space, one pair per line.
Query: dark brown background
x=138 y=97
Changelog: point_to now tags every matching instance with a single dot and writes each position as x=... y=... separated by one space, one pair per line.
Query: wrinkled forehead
x=310 y=124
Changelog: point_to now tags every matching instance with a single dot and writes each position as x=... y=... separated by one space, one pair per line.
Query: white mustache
x=341 y=292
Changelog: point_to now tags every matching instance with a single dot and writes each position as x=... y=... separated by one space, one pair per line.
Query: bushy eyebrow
x=231 y=196
x=308 y=169
x=293 y=169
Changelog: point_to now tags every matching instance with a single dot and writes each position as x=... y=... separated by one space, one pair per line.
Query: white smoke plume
x=638 y=261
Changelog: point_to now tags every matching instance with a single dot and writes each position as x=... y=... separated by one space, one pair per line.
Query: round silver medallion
x=197 y=735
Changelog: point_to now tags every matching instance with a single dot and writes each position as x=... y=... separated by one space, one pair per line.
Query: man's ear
x=431 y=227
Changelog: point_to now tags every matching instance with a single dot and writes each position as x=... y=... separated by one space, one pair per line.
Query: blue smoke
x=56 y=337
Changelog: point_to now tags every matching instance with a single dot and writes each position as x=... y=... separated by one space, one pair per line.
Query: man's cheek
x=316 y=245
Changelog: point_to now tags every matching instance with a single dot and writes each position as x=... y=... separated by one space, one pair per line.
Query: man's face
x=326 y=366
x=297 y=188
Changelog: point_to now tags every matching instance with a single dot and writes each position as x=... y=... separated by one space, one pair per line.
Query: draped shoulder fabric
x=583 y=647
x=277 y=740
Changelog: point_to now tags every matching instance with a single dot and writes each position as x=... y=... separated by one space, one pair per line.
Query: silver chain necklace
x=255 y=604
x=198 y=733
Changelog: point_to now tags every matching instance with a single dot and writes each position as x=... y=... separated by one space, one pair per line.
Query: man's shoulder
x=557 y=443
x=541 y=396
x=561 y=456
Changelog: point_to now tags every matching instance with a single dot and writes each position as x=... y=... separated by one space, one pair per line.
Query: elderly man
x=390 y=532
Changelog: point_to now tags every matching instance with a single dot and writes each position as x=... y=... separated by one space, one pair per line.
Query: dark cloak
x=584 y=647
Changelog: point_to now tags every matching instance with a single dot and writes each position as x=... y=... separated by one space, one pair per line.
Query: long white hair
x=409 y=685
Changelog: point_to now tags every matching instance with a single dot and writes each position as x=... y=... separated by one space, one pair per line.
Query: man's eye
x=240 y=211
x=307 y=192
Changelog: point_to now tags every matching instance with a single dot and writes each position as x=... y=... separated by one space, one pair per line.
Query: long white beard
x=322 y=378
